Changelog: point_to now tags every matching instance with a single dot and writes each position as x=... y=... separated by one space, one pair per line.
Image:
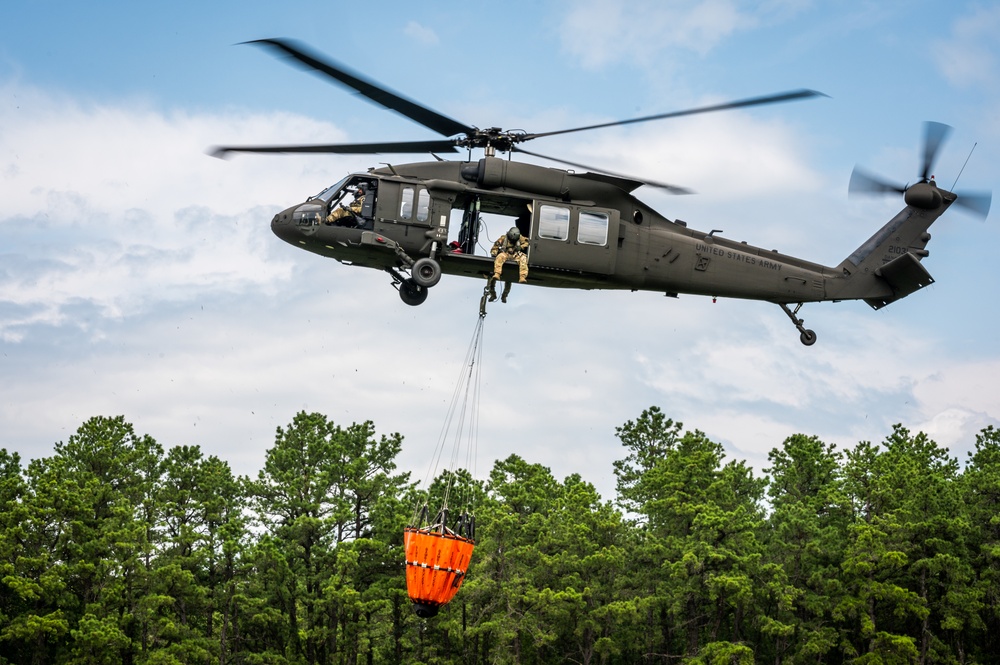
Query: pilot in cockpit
x=348 y=215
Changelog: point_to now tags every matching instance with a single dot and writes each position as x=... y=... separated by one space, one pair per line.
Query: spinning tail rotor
x=935 y=133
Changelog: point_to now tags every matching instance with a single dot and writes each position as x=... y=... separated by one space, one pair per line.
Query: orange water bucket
x=435 y=567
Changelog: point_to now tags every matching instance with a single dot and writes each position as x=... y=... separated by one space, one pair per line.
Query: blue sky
x=138 y=276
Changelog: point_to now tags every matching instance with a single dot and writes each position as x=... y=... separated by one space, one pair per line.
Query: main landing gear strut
x=806 y=336
x=424 y=273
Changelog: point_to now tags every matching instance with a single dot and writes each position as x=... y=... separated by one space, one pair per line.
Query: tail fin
x=887 y=266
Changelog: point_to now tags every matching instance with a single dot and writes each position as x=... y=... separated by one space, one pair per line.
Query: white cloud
x=119 y=206
x=421 y=34
x=603 y=32
x=967 y=57
x=124 y=156
x=958 y=400
x=729 y=156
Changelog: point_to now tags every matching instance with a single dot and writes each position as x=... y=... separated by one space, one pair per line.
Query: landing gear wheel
x=426 y=272
x=412 y=293
x=806 y=336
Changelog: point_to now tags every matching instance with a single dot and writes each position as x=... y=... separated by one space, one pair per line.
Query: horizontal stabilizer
x=904 y=274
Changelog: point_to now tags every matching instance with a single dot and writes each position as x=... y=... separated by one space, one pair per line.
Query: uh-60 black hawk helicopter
x=585 y=230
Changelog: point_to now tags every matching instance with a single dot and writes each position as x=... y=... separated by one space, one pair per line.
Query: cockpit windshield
x=327 y=194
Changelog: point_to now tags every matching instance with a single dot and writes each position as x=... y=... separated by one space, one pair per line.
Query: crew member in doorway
x=348 y=215
x=512 y=245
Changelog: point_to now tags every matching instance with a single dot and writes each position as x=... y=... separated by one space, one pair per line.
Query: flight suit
x=504 y=249
x=352 y=211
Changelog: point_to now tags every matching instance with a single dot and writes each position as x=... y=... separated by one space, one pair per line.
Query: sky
x=139 y=276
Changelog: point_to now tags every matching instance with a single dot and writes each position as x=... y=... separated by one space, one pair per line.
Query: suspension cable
x=465 y=402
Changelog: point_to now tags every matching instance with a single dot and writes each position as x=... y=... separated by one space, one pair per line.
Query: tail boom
x=888 y=266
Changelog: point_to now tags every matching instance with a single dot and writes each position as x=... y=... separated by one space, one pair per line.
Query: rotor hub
x=492 y=139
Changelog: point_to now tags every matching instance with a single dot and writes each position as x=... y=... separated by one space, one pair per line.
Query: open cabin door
x=572 y=237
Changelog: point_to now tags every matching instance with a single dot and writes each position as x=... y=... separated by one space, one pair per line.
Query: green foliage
x=114 y=550
x=980 y=492
x=805 y=548
x=699 y=544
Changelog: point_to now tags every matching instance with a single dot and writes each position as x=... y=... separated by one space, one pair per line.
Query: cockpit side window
x=351 y=203
x=327 y=194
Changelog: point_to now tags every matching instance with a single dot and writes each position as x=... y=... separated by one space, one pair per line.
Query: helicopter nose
x=299 y=220
x=281 y=225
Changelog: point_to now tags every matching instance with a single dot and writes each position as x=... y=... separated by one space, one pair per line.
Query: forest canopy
x=118 y=550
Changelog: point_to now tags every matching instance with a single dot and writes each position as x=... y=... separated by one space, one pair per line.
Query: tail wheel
x=411 y=293
x=426 y=272
x=806 y=336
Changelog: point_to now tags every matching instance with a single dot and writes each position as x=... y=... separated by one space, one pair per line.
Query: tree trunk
x=925 y=628
x=692 y=628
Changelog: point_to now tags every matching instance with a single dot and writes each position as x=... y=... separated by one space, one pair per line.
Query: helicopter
x=585 y=230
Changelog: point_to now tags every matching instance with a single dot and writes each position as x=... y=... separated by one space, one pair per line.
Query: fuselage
x=586 y=231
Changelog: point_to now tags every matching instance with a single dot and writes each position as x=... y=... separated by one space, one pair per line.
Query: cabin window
x=423 y=205
x=406 y=205
x=593 y=228
x=553 y=222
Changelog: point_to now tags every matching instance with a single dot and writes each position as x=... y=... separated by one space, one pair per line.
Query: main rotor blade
x=934 y=135
x=753 y=101
x=377 y=93
x=342 y=148
x=863 y=182
x=977 y=203
x=673 y=189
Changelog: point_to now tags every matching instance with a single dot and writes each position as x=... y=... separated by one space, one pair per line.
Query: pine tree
x=319 y=488
x=805 y=544
x=980 y=632
x=699 y=555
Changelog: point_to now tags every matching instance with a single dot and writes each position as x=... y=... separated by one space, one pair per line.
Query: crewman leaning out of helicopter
x=351 y=212
x=512 y=245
